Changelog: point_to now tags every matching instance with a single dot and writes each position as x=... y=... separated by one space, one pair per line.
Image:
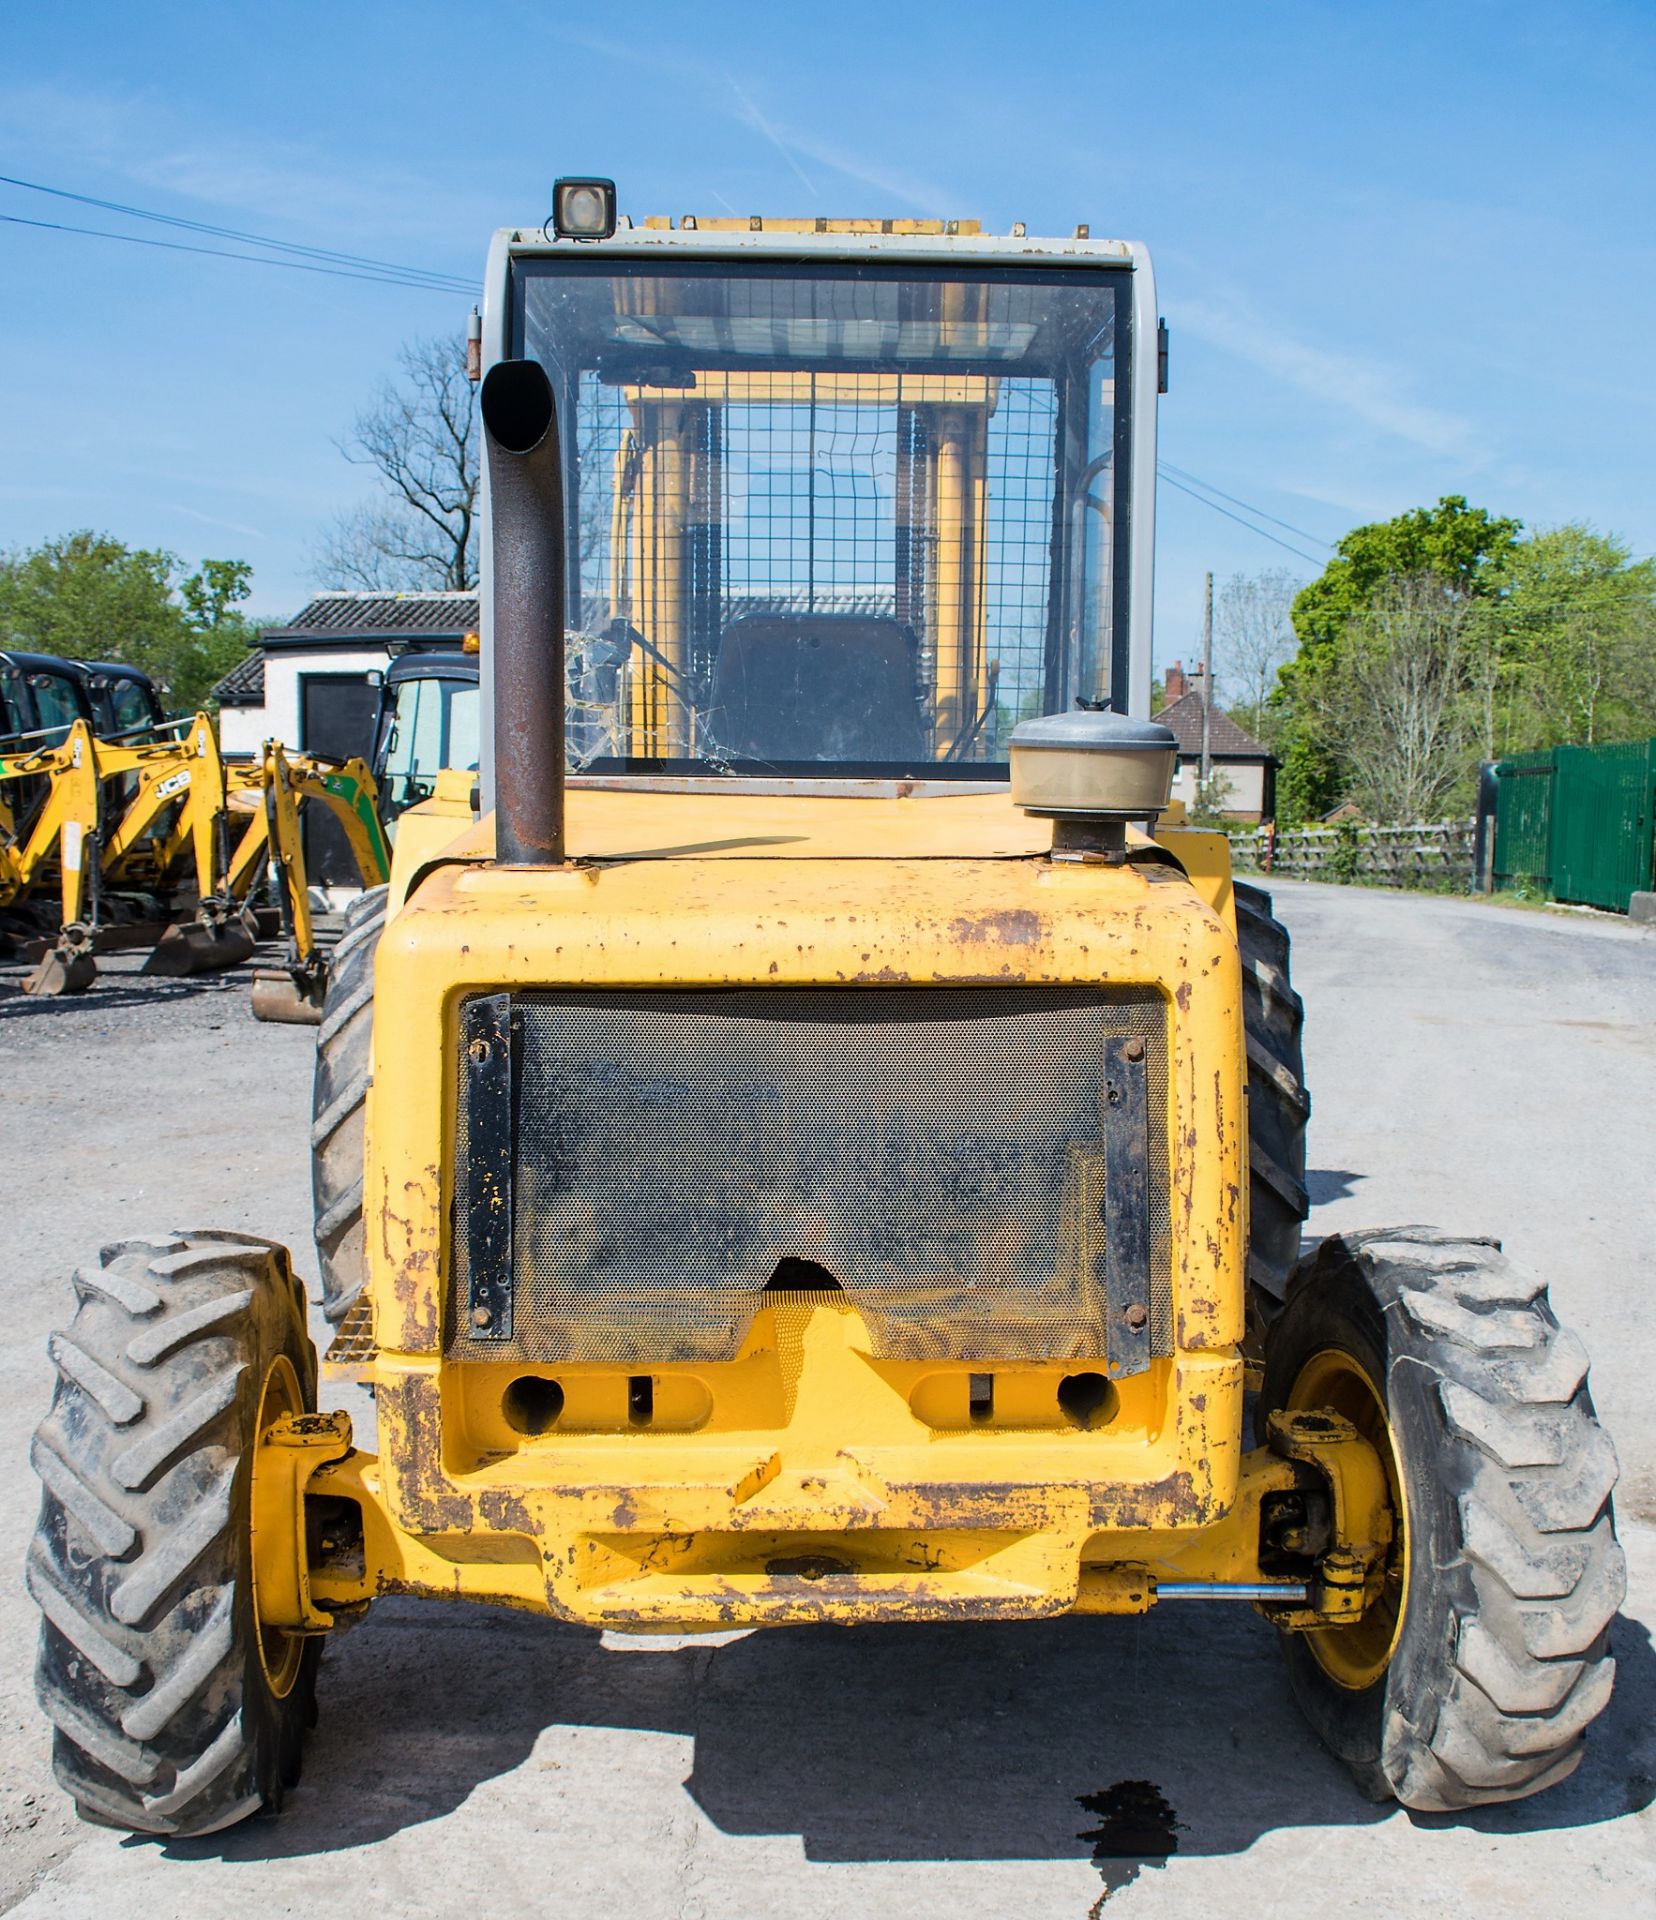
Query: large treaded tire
x=339 y=1095
x=1279 y=1106
x=1514 y=1570
x=150 y=1665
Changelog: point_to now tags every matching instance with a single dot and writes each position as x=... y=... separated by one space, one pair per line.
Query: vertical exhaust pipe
x=520 y=438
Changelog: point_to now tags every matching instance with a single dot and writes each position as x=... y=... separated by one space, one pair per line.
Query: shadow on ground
x=122 y=986
x=886 y=1744
x=1325 y=1184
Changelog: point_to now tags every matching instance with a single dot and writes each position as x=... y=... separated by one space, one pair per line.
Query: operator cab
x=429 y=719
x=41 y=698
x=125 y=702
x=841 y=498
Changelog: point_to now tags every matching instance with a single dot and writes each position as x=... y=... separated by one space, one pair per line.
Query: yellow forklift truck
x=823 y=1144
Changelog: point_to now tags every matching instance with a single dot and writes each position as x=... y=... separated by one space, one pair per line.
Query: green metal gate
x=1579 y=822
x=1523 y=821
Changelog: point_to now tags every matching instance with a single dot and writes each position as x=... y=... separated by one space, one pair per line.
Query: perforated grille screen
x=941 y=1152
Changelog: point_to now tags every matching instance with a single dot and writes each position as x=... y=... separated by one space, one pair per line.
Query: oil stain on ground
x=1136 y=1828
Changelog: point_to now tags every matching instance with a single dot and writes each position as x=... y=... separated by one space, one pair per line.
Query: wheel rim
x=1356 y=1656
x=280 y=1650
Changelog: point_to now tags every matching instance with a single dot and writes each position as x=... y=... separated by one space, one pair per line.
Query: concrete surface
x=1472 y=1067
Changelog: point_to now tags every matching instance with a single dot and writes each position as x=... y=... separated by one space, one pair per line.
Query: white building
x=314 y=684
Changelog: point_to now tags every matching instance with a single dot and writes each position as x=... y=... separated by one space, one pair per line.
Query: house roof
x=243 y=685
x=1226 y=740
x=384 y=613
x=341 y=619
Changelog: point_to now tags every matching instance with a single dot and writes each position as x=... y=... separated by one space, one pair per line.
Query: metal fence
x=1578 y=823
x=1436 y=856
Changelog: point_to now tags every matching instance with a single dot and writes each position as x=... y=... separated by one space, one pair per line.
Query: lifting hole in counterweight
x=532 y=1404
x=1087 y=1399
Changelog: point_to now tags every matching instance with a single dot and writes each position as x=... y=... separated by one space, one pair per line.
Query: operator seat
x=818 y=686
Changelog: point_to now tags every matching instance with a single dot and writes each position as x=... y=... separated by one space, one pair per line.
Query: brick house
x=1246 y=769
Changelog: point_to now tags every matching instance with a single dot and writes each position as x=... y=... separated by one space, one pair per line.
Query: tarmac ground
x=1482 y=1070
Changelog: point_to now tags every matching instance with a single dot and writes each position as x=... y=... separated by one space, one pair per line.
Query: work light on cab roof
x=583 y=209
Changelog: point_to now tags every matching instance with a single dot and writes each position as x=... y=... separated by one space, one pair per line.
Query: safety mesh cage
x=857 y=513
x=983 y=1171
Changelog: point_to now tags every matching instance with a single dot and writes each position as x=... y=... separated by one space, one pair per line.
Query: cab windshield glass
x=432 y=724
x=57 y=708
x=851 y=518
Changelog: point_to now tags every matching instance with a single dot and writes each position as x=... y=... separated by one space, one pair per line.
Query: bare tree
x=1253 y=636
x=1395 y=697
x=420 y=436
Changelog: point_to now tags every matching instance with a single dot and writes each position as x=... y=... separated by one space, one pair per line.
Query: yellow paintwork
x=186 y=776
x=291 y=1444
x=171 y=795
x=60 y=830
x=1356 y=1654
x=430 y=829
x=717 y=819
x=927 y=1570
x=780 y=386
x=660 y=223
x=805 y=1478
x=279 y=787
x=804 y=1444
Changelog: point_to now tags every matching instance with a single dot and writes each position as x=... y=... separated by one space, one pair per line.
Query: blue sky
x=1404 y=250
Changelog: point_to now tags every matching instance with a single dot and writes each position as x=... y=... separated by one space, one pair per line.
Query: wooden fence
x=1438 y=857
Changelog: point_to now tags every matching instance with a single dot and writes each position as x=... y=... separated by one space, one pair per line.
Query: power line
x=1259 y=512
x=326 y=254
x=1176 y=476
x=1310 y=559
x=220 y=253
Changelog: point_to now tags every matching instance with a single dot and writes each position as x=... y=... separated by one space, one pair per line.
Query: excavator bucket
x=201 y=946
x=285 y=999
x=67 y=967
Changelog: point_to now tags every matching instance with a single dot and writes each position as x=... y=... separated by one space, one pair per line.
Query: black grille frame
x=983 y=1169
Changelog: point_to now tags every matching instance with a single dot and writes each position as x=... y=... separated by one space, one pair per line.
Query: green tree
x=1565 y=644
x=89 y=597
x=215 y=589
x=1461 y=545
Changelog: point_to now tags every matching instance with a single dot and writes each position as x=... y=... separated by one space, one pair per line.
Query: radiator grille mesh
x=937 y=1150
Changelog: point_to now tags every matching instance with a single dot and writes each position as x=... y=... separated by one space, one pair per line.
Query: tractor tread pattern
x=1278 y=1103
x=136 y=1564
x=1540 y=1575
x=344 y=1068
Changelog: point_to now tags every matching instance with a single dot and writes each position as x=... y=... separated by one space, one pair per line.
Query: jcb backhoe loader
x=164 y=840
x=824 y=1145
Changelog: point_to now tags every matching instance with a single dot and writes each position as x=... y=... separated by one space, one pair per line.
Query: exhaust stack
x=520 y=438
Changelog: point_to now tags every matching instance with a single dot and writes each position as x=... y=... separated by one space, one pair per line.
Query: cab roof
x=834 y=239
